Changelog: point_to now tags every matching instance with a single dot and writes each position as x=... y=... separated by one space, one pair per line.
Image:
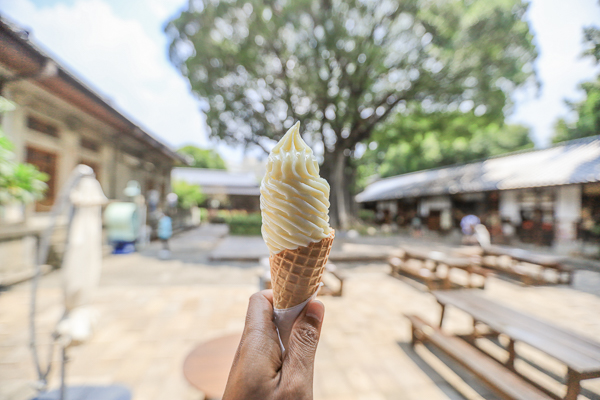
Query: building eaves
x=27 y=60
x=572 y=162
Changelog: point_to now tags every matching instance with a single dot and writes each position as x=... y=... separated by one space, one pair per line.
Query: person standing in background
x=164 y=233
x=467 y=225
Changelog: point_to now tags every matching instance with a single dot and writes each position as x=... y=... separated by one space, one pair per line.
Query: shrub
x=188 y=195
x=22 y=183
x=242 y=223
x=366 y=215
x=203 y=214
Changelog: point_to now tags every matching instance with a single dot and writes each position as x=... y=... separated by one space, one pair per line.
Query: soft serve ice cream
x=294 y=199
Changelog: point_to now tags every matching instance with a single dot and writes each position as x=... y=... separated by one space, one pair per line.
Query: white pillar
x=567 y=212
x=508 y=205
x=107 y=158
x=68 y=157
x=423 y=208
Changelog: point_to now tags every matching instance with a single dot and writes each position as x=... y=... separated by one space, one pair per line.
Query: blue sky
x=119 y=48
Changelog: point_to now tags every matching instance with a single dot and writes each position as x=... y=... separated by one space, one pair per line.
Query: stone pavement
x=151 y=313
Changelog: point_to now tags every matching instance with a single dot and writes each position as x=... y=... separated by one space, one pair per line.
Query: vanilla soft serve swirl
x=294 y=199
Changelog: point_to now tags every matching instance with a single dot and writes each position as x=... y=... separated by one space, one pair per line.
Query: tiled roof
x=217 y=181
x=575 y=161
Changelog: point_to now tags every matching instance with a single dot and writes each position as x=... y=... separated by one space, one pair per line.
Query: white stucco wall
x=508 y=205
x=435 y=203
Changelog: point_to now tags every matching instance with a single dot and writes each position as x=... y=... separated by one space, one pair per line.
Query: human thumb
x=302 y=346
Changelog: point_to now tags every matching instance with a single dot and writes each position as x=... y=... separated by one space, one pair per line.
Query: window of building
x=149 y=184
x=38 y=125
x=89 y=144
x=45 y=162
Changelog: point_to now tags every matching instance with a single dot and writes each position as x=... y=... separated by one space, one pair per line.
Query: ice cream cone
x=296 y=274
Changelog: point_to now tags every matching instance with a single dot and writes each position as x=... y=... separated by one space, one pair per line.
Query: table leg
x=447 y=284
x=442 y=314
x=469 y=278
x=573 y=385
x=510 y=363
x=569 y=277
x=474 y=335
x=413 y=337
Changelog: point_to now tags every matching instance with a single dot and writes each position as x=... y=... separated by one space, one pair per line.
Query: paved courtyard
x=151 y=313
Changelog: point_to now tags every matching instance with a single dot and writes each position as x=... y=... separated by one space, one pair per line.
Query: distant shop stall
x=224 y=189
x=545 y=197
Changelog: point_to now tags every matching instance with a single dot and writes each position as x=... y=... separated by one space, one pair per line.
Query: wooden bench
x=580 y=354
x=428 y=272
x=501 y=380
x=422 y=274
x=515 y=268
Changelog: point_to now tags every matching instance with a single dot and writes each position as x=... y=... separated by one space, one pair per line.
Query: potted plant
x=20 y=184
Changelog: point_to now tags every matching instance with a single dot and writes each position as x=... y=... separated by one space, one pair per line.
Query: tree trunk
x=333 y=171
x=350 y=180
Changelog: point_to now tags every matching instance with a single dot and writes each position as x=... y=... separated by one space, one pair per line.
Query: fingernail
x=315 y=309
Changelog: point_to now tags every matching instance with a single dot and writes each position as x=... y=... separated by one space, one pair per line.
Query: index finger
x=260 y=341
x=260 y=312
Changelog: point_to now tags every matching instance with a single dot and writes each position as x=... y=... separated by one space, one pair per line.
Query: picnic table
x=543 y=262
x=581 y=355
x=431 y=261
x=207 y=366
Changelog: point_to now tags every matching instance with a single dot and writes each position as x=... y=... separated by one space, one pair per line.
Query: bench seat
x=422 y=274
x=497 y=377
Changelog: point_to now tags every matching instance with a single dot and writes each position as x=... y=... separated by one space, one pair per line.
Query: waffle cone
x=296 y=274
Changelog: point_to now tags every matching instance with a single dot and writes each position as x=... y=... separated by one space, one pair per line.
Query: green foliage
x=588 y=110
x=203 y=158
x=366 y=215
x=428 y=140
x=258 y=64
x=591 y=38
x=203 y=214
x=22 y=183
x=188 y=195
x=242 y=223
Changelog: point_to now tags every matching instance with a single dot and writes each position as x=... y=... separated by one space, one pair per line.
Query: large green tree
x=343 y=67
x=427 y=140
x=203 y=158
x=587 y=110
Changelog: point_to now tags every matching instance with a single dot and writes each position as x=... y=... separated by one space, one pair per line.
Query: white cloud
x=163 y=9
x=118 y=58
